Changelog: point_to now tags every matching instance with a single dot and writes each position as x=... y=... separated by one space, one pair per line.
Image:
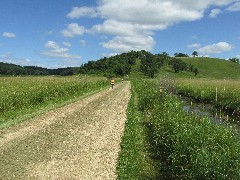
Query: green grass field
x=22 y=96
x=214 y=68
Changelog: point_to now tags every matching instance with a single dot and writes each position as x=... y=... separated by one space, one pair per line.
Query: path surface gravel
x=77 y=141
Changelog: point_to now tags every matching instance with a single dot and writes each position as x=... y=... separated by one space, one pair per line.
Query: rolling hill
x=215 y=68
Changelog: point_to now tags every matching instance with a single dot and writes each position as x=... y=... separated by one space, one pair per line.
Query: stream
x=217 y=115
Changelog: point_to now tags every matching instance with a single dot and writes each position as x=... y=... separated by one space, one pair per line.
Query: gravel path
x=78 y=141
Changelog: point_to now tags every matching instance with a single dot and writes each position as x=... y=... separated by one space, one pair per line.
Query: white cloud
x=234 y=7
x=9 y=35
x=9 y=58
x=54 y=51
x=126 y=20
x=109 y=55
x=194 y=45
x=215 y=48
x=124 y=44
x=214 y=13
x=238 y=56
x=82 y=11
x=67 y=44
x=72 y=30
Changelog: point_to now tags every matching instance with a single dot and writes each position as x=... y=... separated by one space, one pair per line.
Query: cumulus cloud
x=126 y=20
x=215 y=48
x=9 y=35
x=54 y=51
x=124 y=44
x=214 y=13
x=82 y=11
x=72 y=30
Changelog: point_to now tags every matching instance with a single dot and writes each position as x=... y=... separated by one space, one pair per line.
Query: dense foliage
x=235 y=60
x=150 y=63
x=118 y=65
x=177 y=65
x=180 y=55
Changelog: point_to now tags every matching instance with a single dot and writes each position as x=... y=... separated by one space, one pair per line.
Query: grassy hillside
x=215 y=68
x=211 y=68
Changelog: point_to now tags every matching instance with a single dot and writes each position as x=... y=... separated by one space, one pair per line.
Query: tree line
x=17 y=70
x=118 y=65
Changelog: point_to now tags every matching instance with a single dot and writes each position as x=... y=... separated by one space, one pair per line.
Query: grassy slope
x=212 y=68
x=215 y=68
x=135 y=72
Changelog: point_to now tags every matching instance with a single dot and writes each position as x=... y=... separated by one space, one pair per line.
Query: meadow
x=221 y=93
x=213 y=68
x=173 y=144
x=22 y=96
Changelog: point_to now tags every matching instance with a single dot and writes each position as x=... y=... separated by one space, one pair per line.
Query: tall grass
x=20 y=95
x=134 y=160
x=223 y=93
x=187 y=146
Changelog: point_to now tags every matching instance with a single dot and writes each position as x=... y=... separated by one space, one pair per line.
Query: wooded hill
x=141 y=63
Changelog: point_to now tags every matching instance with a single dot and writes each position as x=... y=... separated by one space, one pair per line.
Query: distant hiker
x=112 y=82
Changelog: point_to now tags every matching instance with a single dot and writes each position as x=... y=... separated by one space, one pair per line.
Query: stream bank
x=216 y=114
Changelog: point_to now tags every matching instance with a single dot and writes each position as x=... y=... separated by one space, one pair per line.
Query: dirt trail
x=78 y=141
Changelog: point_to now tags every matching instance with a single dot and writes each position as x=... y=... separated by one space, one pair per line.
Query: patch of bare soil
x=78 y=141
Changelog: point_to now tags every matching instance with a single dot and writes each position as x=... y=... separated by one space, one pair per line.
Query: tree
x=195 y=71
x=177 y=65
x=235 y=60
x=180 y=55
x=67 y=72
x=195 y=53
x=150 y=65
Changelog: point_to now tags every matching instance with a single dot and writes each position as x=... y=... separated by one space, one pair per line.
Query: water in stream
x=207 y=110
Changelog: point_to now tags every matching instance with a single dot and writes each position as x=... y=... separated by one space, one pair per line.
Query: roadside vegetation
x=179 y=145
x=221 y=93
x=135 y=159
x=21 y=96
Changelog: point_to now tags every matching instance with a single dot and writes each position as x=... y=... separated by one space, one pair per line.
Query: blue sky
x=63 y=33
